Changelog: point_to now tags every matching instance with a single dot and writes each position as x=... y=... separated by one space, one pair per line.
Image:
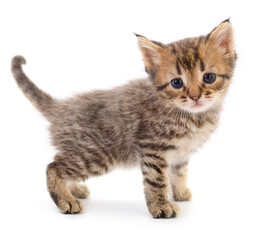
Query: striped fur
x=145 y=122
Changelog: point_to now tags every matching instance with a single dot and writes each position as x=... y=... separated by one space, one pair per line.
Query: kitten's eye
x=177 y=83
x=209 y=78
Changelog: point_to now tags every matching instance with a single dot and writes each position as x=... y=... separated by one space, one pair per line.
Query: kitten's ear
x=151 y=52
x=222 y=35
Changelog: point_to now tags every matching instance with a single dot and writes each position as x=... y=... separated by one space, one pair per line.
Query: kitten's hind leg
x=62 y=173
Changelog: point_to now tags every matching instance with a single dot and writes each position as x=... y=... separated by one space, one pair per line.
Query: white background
x=73 y=46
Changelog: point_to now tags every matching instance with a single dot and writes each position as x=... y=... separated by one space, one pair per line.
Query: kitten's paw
x=168 y=210
x=182 y=196
x=79 y=190
x=71 y=206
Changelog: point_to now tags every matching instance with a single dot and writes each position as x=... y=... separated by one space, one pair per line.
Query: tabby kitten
x=155 y=122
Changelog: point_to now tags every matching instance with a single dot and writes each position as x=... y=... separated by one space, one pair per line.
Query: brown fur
x=145 y=122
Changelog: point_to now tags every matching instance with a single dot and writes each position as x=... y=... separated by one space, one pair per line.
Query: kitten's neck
x=184 y=118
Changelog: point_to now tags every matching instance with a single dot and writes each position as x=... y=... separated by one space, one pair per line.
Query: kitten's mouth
x=197 y=104
x=200 y=105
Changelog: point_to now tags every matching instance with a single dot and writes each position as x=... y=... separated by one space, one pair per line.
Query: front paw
x=167 y=210
x=182 y=196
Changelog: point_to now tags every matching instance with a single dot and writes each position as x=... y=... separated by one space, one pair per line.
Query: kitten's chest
x=189 y=143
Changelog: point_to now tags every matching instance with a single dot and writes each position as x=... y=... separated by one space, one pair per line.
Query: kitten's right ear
x=151 y=52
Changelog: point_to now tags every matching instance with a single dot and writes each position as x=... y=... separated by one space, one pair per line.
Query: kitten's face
x=192 y=74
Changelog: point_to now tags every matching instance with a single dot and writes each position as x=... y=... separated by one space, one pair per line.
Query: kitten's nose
x=195 y=98
x=194 y=93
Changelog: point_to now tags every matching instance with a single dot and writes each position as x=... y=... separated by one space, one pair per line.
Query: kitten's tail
x=41 y=100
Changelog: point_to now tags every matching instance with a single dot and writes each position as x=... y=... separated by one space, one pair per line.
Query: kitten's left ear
x=151 y=52
x=223 y=36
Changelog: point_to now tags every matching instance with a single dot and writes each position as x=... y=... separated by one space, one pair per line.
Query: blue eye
x=177 y=83
x=209 y=78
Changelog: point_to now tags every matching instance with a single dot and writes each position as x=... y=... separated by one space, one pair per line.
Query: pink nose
x=195 y=98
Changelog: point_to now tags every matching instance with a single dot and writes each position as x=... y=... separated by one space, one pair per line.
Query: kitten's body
x=135 y=124
x=150 y=128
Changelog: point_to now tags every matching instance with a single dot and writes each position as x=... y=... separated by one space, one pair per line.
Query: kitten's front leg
x=178 y=179
x=156 y=187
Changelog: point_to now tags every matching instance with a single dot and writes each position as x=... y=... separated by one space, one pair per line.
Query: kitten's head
x=192 y=74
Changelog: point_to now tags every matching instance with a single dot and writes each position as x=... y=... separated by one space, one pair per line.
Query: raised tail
x=40 y=99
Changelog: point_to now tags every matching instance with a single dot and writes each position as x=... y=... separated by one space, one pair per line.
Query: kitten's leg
x=156 y=187
x=62 y=177
x=178 y=178
x=79 y=190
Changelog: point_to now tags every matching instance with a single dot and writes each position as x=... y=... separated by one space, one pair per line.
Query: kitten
x=156 y=123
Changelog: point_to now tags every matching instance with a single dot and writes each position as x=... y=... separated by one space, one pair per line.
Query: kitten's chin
x=197 y=107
